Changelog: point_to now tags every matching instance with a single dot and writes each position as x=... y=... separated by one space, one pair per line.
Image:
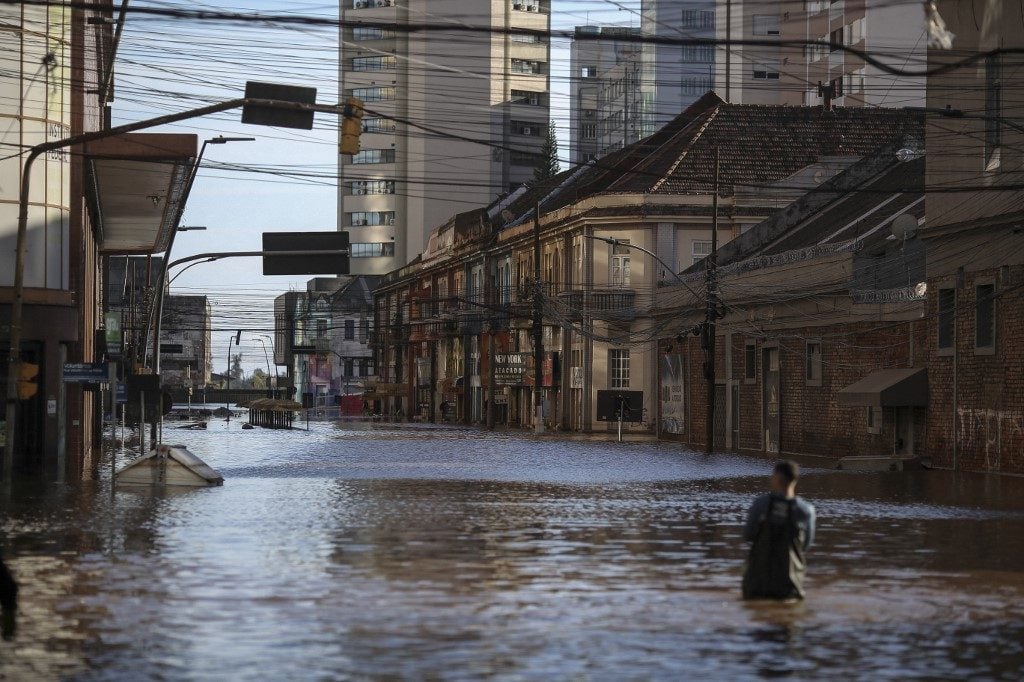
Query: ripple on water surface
x=411 y=553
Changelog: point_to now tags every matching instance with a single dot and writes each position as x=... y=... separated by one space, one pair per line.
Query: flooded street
x=396 y=552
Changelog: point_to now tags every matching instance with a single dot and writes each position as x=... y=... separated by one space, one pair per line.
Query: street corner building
x=454 y=328
x=86 y=202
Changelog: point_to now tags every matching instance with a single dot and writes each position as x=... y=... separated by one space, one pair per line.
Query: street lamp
x=265 y=354
x=611 y=241
x=273 y=351
x=220 y=139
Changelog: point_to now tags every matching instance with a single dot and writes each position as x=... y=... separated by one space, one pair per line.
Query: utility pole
x=538 y=329
x=712 y=315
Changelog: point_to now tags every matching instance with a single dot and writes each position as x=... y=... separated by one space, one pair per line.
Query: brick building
x=821 y=346
x=975 y=245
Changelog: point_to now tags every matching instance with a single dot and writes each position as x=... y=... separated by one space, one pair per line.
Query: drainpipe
x=956 y=354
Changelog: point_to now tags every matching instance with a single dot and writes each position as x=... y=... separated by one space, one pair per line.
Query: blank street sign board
x=330 y=264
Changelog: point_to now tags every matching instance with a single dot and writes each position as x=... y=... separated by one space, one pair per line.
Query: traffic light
x=28 y=380
x=351 y=126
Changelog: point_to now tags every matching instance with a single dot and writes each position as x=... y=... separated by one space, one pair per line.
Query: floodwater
x=384 y=552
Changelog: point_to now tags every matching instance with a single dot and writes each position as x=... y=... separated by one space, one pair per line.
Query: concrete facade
x=489 y=87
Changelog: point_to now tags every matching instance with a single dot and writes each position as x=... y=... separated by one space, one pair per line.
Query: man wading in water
x=781 y=527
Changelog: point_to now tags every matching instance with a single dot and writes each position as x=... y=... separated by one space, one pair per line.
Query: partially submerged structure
x=271 y=413
x=169 y=465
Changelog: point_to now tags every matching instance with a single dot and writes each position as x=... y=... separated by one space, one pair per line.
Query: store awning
x=137 y=183
x=888 y=388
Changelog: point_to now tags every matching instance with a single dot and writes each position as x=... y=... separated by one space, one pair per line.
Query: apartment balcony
x=610 y=305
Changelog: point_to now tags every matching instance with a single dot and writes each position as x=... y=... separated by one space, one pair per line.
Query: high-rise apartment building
x=637 y=95
x=603 y=62
x=480 y=80
x=757 y=74
x=675 y=76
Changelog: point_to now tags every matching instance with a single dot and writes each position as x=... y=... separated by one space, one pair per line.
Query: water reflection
x=408 y=553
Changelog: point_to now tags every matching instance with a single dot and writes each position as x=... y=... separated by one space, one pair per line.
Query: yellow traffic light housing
x=28 y=380
x=351 y=126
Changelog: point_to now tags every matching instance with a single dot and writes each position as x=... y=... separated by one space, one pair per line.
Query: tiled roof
x=855 y=207
x=757 y=145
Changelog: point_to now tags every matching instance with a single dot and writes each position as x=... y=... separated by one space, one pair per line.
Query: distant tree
x=236 y=366
x=258 y=378
x=548 y=166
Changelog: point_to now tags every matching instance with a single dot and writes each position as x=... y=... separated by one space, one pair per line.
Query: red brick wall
x=812 y=422
x=987 y=411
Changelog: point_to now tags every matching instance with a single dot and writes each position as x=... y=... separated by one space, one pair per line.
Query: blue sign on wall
x=86 y=372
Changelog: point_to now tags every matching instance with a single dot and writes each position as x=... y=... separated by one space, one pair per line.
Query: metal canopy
x=138 y=182
x=906 y=387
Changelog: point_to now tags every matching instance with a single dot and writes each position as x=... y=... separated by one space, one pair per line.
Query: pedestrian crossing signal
x=28 y=380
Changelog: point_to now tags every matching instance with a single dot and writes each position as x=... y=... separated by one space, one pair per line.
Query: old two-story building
x=322 y=338
x=455 y=327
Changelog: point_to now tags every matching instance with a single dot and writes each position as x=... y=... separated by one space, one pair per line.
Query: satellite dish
x=904 y=226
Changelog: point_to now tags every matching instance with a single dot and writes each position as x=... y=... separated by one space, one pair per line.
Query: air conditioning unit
x=360 y=4
x=389 y=220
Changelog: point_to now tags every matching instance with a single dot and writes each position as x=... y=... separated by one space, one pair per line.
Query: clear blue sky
x=167 y=65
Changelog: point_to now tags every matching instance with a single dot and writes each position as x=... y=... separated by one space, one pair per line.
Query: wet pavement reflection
x=366 y=551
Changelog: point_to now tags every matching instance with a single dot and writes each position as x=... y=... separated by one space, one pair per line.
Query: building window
x=766 y=25
x=946 y=317
x=364 y=330
x=360 y=33
x=361 y=187
x=692 y=18
x=526 y=66
x=855 y=32
x=374 y=156
x=372 y=249
x=371 y=218
x=375 y=94
x=588 y=72
x=750 y=362
x=695 y=85
x=533 y=99
x=618 y=367
x=364 y=367
x=526 y=5
x=874 y=419
x=366 y=4
x=993 y=110
x=378 y=125
x=618 y=274
x=376 y=63
x=321 y=328
x=835 y=40
x=350 y=330
x=766 y=71
x=698 y=54
x=528 y=128
x=985 y=317
x=701 y=250
x=349 y=365
x=588 y=131
x=530 y=38
x=517 y=158
x=853 y=82
x=813 y=363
